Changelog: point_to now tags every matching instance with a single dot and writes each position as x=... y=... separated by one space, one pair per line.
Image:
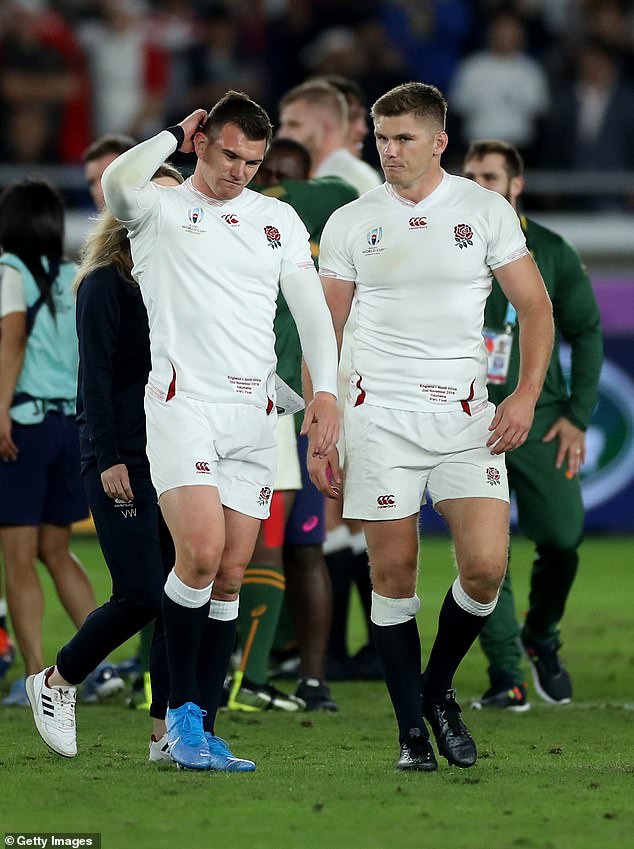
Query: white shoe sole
x=30 y=692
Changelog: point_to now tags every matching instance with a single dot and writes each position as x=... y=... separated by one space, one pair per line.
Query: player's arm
x=522 y=284
x=305 y=299
x=12 y=349
x=577 y=319
x=324 y=471
x=126 y=182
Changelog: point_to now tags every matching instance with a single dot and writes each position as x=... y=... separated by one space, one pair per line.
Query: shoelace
x=191 y=726
x=451 y=712
x=218 y=746
x=64 y=701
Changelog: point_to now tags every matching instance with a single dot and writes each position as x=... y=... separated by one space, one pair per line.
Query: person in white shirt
x=315 y=114
x=501 y=91
x=209 y=257
x=418 y=255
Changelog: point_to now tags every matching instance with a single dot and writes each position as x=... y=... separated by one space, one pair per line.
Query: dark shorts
x=43 y=486
x=306 y=523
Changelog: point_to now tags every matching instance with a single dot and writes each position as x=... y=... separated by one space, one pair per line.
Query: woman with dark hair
x=114 y=349
x=40 y=486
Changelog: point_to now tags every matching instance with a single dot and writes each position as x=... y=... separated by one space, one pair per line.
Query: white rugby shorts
x=392 y=456
x=230 y=446
x=289 y=473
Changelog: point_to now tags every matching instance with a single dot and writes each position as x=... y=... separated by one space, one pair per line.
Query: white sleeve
x=305 y=298
x=11 y=291
x=126 y=182
x=334 y=257
x=506 y=240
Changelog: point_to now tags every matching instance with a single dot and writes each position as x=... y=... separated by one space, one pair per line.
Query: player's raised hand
x=190 y=126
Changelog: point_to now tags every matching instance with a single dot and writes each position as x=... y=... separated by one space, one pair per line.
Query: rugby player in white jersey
x=209 y=258
x=419 y=253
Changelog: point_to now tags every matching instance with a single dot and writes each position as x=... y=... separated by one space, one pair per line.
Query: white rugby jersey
x=423 y=273
x=209 y=273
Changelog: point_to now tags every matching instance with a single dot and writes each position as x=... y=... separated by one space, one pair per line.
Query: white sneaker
x=54 y=713
x=160 y=750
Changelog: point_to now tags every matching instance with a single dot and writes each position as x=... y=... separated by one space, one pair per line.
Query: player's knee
x=229 y=580
x=200 y=558
x=394 y=579
x=481 y=578
x=465 y=598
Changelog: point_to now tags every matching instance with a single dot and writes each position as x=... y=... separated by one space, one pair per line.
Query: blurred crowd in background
x=555 y=77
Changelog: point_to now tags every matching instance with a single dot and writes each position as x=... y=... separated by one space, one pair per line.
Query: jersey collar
x=213 y=201
x=440 y=189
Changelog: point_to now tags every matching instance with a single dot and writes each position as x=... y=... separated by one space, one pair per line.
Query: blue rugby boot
x=186 y=737
x=223 y=759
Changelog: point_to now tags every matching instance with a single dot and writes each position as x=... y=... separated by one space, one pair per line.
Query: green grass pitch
x=552 y=778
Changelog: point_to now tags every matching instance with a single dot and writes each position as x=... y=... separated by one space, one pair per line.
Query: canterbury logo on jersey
x=202 y=467
x=417 y=223
x=231 y=219
x=386 y=501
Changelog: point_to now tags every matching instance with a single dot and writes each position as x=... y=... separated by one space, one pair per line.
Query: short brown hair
x=111 y=143
x=236 y=107
x=319 y=93
x=513 y=161
x=419 y=99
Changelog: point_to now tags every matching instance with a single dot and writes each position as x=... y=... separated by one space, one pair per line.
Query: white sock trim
x=225 y=611
x=358 y=543
x=183 y=594
x=470 y=605
x=393 y=611
x=337 y=539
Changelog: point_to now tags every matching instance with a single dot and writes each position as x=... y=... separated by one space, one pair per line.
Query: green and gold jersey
x=577 y=322
x=314 y=201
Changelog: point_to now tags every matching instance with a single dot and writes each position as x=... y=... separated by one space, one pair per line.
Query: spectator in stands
x=500 y=91
x=218 y=60
x=42 y=86
x=431 y=36
x=591 y=124
x=129 y=72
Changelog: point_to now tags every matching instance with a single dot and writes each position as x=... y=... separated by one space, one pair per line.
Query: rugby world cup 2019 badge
x=273 y=236
x=463 y=235
x=195 y=217
x=373 y=237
